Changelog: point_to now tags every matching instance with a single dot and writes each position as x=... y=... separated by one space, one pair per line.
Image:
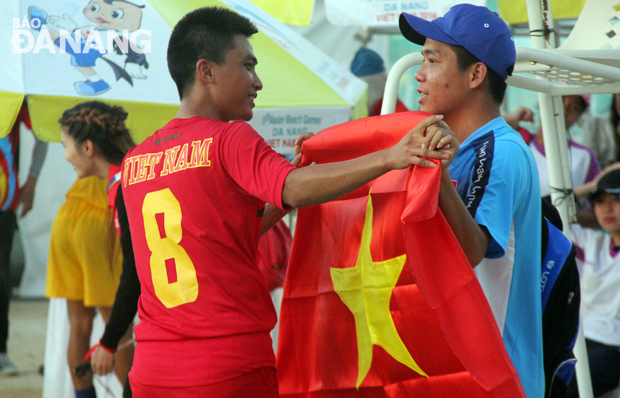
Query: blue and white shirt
x=497 y=179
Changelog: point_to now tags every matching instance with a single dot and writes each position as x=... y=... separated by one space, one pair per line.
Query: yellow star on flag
x=366 y=290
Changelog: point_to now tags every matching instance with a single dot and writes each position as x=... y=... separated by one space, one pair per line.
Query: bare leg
x=87 y=71
x=124 y=357
x=81 y=326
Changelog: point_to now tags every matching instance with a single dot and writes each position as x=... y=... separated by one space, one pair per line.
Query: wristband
x=93 y=348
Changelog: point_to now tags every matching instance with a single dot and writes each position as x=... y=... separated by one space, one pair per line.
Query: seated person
x=584 y=166
x=599 y=263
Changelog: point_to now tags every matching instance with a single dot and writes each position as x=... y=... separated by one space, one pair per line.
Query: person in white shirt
x=599 y=269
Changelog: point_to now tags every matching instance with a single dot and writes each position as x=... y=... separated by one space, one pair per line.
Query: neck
x=198 y=102
x=465 y=121
x=103 y=168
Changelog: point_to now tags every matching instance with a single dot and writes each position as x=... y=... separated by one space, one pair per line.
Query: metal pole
x=543 y=36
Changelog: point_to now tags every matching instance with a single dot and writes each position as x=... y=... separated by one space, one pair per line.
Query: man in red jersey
x=195 y=195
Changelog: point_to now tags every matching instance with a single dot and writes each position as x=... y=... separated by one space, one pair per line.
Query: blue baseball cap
x=366 y=62
x=479 y=30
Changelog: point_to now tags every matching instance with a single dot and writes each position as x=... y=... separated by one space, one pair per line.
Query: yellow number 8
x=185 y=289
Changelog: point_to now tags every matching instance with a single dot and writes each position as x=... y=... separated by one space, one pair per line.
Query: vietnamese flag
x=379 y=298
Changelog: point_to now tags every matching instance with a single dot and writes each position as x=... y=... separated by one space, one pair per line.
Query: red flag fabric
x=379 y=298
x=272 y=254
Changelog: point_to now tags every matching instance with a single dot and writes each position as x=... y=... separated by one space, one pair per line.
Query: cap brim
x=423 y=29
x=599 y=192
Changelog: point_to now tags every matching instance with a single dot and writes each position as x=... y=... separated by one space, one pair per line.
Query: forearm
x=585 y=189
x=129 y=289
x=271 y=216
x=124 y=309
x=474 y=240
x=430 y=138
x=324 y=182
x=39 y=151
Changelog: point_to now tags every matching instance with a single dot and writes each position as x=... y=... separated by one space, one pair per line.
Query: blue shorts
x=81 y=58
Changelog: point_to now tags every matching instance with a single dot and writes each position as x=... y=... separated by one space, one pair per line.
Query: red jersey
x=194 y=193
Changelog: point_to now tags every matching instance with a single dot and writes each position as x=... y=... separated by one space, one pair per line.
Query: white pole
x=554 y=135
x=390 y=94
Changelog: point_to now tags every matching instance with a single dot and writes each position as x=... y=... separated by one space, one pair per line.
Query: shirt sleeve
x=126 y=302
x=593 y=169
x=509 y=182
x=253 y=164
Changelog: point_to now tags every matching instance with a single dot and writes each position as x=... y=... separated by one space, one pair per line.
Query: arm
x=126 y=301
x=589 y=187
x=26 y=196
x=324 y=182
x=273 y=214
x=522 y=114
x=474 y=239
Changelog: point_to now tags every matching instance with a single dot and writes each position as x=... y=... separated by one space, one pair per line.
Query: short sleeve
x=579 y=235
x=252 y=164
x=510 y=181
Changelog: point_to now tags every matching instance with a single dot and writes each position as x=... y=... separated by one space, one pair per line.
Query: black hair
x=206 y=33
x=497 y=85
x=101 y=123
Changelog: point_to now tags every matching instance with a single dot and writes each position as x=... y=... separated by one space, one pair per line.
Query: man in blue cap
x=490 y=193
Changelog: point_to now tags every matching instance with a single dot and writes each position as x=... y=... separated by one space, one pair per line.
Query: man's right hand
x=431 y=138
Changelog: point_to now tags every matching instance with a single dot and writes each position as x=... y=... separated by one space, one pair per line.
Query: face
x=119 y=15
x=573 y=109
x=237 y=83
x=75 y=154
x=607 y=211
x=443 y=86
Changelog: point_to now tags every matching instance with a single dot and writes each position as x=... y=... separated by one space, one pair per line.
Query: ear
x=88 y=148
x=204 y=71
x=478 y=73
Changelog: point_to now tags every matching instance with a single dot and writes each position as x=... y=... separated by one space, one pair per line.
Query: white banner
x=281 y=127
x=385 y=13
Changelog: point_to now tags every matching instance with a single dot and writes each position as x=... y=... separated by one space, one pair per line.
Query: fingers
x=439 y=136
x=528 y=115
x=420 y=129
x=424 y=163
x=102 y=362
x=298 y=143
x=436 y=136
x=302 y=138
x=430 y=154
x=296 y=160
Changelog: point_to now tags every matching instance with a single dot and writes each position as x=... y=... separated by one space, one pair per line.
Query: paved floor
x=27 y=331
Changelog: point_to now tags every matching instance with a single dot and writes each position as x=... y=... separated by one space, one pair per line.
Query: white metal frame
x=551 y=73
